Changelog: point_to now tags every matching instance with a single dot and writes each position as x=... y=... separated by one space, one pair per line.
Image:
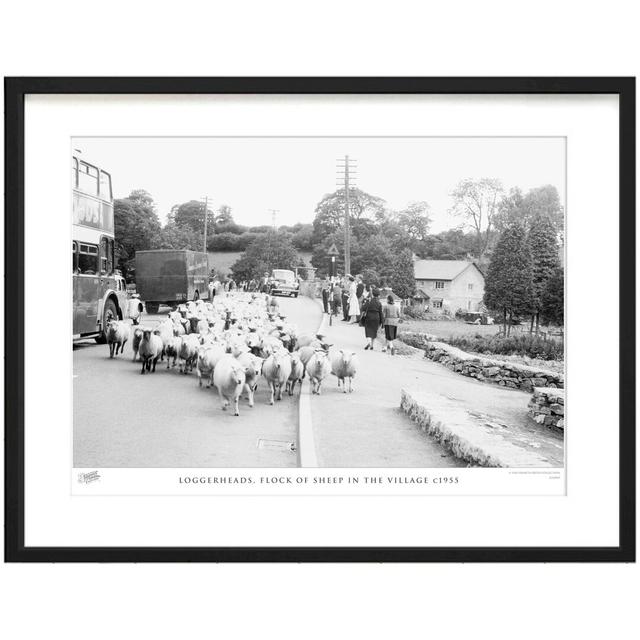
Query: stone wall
x=505 y=374
x=547 y=407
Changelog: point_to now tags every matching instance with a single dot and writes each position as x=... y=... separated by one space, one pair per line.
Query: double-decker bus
x=99 y=292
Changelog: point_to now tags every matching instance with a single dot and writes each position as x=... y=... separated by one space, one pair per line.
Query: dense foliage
x=509 y=282
x=271 y=250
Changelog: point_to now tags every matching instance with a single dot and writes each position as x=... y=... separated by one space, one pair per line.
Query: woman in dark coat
x=373 y=318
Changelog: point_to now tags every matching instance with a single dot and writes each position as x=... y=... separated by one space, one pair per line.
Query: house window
x=470 y=287
x=439 y=284
x=437 y=304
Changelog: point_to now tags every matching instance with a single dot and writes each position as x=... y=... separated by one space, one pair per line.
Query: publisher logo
x=90 y=476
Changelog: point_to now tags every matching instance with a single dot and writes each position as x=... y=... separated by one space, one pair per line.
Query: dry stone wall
x=547 y=407
x=500 y=372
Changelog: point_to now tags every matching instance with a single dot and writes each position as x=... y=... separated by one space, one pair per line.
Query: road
x=124 y=419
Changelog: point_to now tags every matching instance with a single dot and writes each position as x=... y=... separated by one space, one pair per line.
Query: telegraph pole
x=206 y=216
x=274 y=212
x=347 y=168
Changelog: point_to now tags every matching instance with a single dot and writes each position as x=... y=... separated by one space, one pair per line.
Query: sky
x=291 y=175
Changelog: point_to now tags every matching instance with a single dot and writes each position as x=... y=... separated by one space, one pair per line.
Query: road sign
x=333 y=251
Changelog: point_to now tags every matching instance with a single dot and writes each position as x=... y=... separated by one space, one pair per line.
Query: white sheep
x=344 y=364
x=297 y=373
x=117 y=336
x=276 y=369
x=252 y=366
x=318 y=369
x=229 y=378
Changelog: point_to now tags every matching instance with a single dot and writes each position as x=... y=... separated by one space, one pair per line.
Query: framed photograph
x=320 y=319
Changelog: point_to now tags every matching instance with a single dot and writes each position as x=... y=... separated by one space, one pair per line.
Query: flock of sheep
x=232 y=342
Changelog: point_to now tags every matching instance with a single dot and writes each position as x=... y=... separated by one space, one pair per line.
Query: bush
x=527 y=344
x=417 y=313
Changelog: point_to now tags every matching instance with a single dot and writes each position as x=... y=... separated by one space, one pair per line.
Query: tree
x=552 y=309
x=191 y=214
x=453 y=244
x=364 y=210
x=542 y=240
x=302 y=237
x=136 y=228
x=268 y=251
x=540 y=202
x=175 y=236
x=402 y=278
x=476 y=201
x=414 y=219
x=510 y=210
x=509 y=281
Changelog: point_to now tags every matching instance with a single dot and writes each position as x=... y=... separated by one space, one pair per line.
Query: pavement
x=124 y=419
x=368 y=429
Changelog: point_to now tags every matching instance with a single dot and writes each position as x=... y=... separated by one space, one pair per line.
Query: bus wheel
x=152 y=307
x=110 y=313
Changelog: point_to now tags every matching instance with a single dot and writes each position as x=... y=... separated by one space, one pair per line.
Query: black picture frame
x=15 y=91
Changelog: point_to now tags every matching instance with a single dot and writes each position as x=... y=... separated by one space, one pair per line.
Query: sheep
x=229 y=378
x=276 y=369
x=318 y=369
x=135 y=343
x=207 y=359
x=297 y=373
x=150 y=350
x=188 y=353
x=172 y=349
x=117 y=336
x=344 y=365
x=202 y=327
x=252 y=366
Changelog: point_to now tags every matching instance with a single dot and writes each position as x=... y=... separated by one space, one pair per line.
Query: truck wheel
x=110 y=312
x=152 y=307
x=295 y=295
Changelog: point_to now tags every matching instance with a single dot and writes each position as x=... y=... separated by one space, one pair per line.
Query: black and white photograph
x=339 y=302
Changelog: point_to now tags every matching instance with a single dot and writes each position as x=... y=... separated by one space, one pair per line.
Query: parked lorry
x=171 y=277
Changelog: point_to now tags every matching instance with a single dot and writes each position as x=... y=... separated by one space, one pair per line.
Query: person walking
x=336 y=294
x=326 y=288
x=354 y=306
x=391 y=315
x=372 y=318
x=359 y=289
x=345 y=302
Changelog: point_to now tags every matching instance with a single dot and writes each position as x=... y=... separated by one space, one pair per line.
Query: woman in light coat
x=354 y=305
x=391 y=314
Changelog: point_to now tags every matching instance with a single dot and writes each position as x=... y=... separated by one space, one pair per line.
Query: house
x=449 y=284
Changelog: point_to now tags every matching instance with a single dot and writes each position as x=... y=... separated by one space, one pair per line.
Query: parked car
x=474 y=317
x=283 y=283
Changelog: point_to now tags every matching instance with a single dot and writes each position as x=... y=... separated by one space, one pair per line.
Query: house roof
x=440 y=269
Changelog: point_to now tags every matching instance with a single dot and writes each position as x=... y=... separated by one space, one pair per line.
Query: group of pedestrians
x=218 y=286
x=360 y=304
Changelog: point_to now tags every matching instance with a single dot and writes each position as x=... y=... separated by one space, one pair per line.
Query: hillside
x=221 y=261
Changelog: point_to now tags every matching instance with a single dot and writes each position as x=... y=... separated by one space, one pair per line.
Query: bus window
x=104 y=251
x=88 y=179
x=105 y=186
x=106 y=256
x=74 y=172
x=74 y=256
x=88 y=259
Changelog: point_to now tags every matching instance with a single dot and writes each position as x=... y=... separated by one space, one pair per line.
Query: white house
x=449 y=284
